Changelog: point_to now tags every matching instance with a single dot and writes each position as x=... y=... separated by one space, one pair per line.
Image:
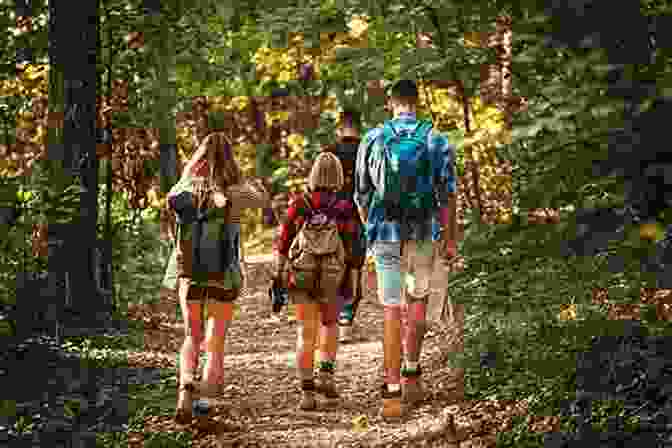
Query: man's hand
x=448 y=249
x=363 y=214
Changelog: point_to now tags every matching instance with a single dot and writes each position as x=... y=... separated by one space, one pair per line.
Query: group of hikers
x=391 y=193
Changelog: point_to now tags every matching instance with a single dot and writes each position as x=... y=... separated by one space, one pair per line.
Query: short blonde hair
x=327 y=173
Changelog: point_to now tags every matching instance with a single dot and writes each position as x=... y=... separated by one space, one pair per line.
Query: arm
x=286 y=233
x=445 y=188
x=363 y=183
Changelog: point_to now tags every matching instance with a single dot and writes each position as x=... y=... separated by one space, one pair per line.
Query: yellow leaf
x=360 y=423
x=568 y=312
x=285 y=76
x=358 y=26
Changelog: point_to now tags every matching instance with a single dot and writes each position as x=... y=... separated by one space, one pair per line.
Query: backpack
x=206 y=244
x=405 y=157
x=317 y=254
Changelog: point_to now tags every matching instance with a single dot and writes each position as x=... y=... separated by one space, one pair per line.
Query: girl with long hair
x=207 y=202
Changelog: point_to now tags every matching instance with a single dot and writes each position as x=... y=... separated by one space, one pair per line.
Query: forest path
x=259 y=404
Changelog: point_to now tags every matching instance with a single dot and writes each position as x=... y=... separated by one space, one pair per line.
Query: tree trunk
x=471 y=162
x=73 y=42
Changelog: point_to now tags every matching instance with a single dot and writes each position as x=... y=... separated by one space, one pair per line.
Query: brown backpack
x=317 y=254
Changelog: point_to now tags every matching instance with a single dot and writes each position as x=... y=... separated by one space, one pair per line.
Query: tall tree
x=73 y=41
x=162 y=46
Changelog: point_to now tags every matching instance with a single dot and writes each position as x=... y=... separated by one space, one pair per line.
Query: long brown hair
x=215 y=152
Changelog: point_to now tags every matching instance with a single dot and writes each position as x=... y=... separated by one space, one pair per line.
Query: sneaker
x=344 y=332
x=308 y=402
x=393 y=407
x=326 y=385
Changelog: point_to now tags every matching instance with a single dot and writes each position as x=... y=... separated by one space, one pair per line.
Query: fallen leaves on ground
x=259 y=404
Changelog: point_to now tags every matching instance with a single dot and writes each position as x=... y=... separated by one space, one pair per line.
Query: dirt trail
x=259 y=405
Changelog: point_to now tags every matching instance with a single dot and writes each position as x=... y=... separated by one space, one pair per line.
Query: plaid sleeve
x=444 y=167
x=289 y=228
x=363 y=183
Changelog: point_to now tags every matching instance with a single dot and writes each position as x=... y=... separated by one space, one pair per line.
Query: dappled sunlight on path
x=258 y=406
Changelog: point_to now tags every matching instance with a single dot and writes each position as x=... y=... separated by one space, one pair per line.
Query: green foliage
x=48 y=196
x=138 y=253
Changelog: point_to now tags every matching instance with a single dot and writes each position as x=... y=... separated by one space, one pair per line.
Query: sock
x=327 y=365
x=346 y=314
x=393 y=387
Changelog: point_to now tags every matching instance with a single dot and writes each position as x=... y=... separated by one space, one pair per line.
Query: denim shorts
x=410 y=261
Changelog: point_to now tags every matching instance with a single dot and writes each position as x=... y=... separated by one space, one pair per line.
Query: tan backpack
x=317 y=254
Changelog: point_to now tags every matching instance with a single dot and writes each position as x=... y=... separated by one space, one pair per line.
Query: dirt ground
x=259 y=405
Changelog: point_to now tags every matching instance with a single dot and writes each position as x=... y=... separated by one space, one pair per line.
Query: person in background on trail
x=312 y=252
x=404 y=173
x=207 y=202
x=350 y=292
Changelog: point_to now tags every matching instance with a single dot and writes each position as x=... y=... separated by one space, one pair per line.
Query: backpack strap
x=307 y=200
x=309 y=205
x=425 y=126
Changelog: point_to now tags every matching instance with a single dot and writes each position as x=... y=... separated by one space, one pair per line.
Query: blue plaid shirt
x=442 y=157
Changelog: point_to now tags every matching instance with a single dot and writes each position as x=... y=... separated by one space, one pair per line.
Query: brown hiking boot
x=326 y=385
x=411 y=389
x=412 y=392
x=183 y=411
x=308 y=402
x=393 y=407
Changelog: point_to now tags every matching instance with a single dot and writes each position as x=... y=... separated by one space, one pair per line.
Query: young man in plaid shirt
x=403 y=247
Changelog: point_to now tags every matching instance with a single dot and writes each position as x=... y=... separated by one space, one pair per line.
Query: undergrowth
x=533 y=354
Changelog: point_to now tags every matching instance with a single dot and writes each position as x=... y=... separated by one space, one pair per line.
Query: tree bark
x=470 y=160
x=73 y=42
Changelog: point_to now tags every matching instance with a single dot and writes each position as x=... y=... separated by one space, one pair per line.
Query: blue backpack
x=400 y=174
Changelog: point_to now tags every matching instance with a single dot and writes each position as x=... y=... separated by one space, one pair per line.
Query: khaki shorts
x=403 y=268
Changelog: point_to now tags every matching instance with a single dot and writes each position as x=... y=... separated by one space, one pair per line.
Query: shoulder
x=373 y=134
x=438 y=140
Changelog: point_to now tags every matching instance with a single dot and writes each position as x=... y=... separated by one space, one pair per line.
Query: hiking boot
x=183 y=411
x=393 y=407
x=412 y=392
x=308 y=402
x=326 y=385
x=411 y=389
x=345 y=332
